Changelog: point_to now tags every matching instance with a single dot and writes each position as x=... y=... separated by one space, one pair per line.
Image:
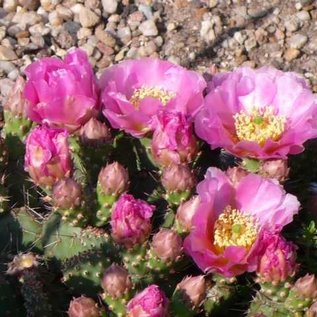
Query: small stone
x=146 y=10
x=65 y=13
x=298 y=6
x=24 y=41
x=7 y=54
x=120 y=56
x=292 y=24
x=312 y=45
x=2 y=32
x=250 y=43
x=10 y=5
x=124 y=34
x=49 y=5
x=240 y=37
x=55 y=19
x=207 y=32
x=83 y=33
x=303 y=15
x=65 y=40
x=105 y=37
x=297 y=41
x=132 y=53
x=39 y=29
x=109 y=6
x=31 y=5
x=148 y=28
x=291 y=53
x=6 y=86
x=212 y=3
x=38 y=40
x=13 y=74
x=87 y=18
x=6 y=66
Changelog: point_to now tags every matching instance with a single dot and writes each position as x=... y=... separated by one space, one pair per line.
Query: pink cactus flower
x=173 y=139
x=263 y=113
x=47 y=156
x=278 y=261
x=62 y=94
x=151 y=302
x=134 y=91
x=131 y=220
x=230 y=220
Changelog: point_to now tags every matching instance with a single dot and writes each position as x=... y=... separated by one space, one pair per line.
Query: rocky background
x=196 y=34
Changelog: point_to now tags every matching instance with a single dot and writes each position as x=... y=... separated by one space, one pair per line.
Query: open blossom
x=131 y=220
x=263 y=113
x=173 y=140
x=64 y=93
x=151 y=302
x=47 y=155
x=278 y=261
x=230 y=220
x=134 y=91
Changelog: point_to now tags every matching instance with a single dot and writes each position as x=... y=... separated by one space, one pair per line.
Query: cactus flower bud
x=279 y=259
x=306 y=286
x=277 y=169
x=173 y=139
x=312 y=311
x=94 y=132
x=177 y=178
x=236 y=174
x=131 y=221
x=151 y=302
x=116 y=281
x=193 y=289
x=67 y=194
x=16 y=104
x=167 y=245
x=47 y=157
x=186 y=212
x=114 y=179
x=83 y=307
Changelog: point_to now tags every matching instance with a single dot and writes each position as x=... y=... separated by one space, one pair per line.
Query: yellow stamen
x=164 y=96
x=259 y=126
x=234 y=228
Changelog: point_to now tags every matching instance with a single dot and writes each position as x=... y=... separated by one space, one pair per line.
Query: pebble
x=105 y=37
x=297 y=41
x=292 y=24
x=291 y=53
x=303 y=15
x=148 y=28
x=7 y=54
x=124 y=34
x=109 y=6
x=207 y=32
x=10 y=5
x=6 y=66
x=2 y=32
x=88 y=18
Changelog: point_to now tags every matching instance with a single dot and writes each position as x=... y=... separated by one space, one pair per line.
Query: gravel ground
x=196 y=34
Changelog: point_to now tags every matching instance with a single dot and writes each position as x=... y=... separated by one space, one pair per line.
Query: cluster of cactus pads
x=92 y=223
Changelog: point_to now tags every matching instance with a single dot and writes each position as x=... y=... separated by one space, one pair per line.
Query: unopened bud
x=67 y=194
x=83 y=307
x=312 y=311
x=116 y=281
x=186 y=212
x=16 y=104
x=193 y=289
x=277 y=169
x=114 y=179
x=306 y=286
x=178 y=178
x=94 y=132
x=167 y=245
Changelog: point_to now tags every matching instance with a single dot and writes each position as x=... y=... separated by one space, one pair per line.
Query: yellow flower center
x=259 y=126
x=164 y=96
x=234 y=228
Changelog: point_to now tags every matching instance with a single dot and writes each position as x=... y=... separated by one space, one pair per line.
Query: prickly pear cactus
x=111 y=205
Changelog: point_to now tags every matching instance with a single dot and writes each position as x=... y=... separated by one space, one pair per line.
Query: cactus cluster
x=110 y=205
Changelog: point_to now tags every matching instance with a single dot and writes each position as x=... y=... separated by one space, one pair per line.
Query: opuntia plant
x=152 y=192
